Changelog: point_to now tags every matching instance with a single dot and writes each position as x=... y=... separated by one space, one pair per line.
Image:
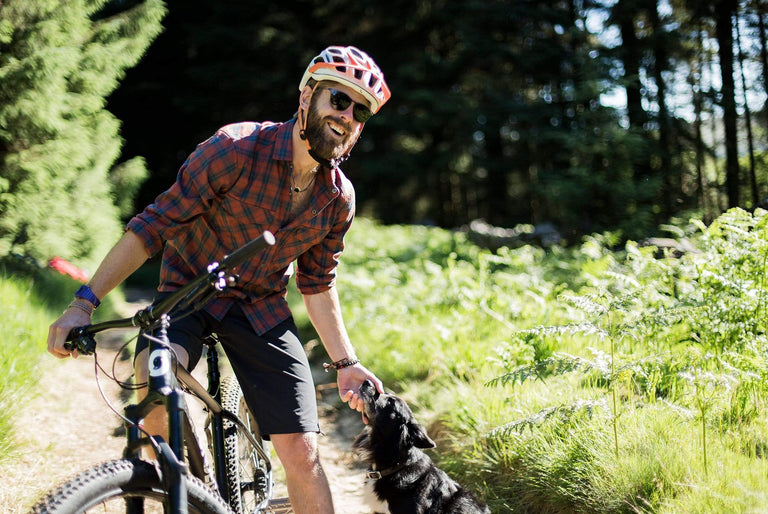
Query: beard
x=322 y=143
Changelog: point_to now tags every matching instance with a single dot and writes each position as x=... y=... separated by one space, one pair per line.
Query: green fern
x=561 y=413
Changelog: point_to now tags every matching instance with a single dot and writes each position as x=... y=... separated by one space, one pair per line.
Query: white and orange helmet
x=351 y=67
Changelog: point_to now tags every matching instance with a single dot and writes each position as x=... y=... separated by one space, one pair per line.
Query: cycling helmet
x=352 y=67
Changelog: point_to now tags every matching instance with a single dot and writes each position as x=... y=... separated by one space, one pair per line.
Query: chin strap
x=329 y=163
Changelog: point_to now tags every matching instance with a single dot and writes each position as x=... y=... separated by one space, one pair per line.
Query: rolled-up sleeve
x=316 y=268
x=207 y=173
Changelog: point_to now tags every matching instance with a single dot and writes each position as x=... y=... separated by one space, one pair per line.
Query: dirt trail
x=67 y=427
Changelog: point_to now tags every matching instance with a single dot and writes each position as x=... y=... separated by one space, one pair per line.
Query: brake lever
x=81 y=340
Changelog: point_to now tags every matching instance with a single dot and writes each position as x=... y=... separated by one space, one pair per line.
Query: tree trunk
x=698 y=96
x=748 y=120
x=724 y=12
x=670 y=185
x=763 y=47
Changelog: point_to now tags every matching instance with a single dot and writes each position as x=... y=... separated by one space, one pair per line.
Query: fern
x=561 y=413
x=558 y=364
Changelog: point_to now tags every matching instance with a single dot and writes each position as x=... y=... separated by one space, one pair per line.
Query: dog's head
x=391 y=423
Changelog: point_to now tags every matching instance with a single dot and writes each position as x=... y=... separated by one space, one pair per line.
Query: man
x=247 y=178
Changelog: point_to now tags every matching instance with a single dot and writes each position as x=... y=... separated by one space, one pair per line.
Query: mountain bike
x=181 y=479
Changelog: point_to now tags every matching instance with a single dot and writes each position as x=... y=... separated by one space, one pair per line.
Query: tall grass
x=560 y=380
x=30 y=299
x=24 y=323
x=579 y=380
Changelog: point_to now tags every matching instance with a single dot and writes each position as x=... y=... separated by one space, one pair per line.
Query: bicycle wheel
x=249 y=474
x=121 y=485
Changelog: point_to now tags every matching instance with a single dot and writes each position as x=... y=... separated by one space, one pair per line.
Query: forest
x=501 y=110
x=596 y=374
x=588 y=116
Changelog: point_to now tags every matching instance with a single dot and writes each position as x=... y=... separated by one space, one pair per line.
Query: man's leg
x=156 y=422
x=308 y=487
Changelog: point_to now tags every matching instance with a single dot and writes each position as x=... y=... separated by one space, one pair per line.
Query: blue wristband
x=86 y=294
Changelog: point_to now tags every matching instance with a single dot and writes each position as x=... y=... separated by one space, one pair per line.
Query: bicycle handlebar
x=196 y=293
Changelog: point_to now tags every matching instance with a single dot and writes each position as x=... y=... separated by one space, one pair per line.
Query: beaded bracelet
x=83 y=305
x=343 y=363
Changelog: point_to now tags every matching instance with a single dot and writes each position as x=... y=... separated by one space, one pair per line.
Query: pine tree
x=58 y=62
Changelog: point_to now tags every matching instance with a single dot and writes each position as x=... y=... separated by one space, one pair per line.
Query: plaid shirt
x=232 y=188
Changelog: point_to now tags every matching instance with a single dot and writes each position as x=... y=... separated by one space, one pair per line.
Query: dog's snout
x=368 y=389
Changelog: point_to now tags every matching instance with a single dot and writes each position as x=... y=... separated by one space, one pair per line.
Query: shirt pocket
x=238 y=222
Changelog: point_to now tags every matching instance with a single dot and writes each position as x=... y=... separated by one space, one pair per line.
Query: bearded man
x=246 y=179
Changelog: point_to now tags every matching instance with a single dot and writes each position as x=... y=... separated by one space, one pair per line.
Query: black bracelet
x=343 y=363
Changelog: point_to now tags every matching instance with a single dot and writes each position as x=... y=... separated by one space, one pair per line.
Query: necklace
x=296 y=189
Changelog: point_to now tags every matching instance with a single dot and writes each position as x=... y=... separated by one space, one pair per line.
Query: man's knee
x=141 y=365
x=297 y=451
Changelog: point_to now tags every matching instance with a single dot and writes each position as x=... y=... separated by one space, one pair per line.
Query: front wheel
x=248 y=470
x=128 y=485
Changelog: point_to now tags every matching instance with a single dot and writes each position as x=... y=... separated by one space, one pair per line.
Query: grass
x=671 y=426
x=24 y=329
x=30 y=300
x=587 y=379
x=28 y=304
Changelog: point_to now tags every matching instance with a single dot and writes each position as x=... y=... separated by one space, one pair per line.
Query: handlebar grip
x=80 y=339
x=248 y=250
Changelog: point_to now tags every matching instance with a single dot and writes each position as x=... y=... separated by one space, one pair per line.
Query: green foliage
x=27 y=305
x=588 y=379
x=58 y=62
x=581 y=380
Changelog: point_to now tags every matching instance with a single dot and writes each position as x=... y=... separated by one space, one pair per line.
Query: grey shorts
x=272 y=368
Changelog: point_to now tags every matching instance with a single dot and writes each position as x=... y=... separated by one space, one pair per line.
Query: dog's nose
x=367 y=388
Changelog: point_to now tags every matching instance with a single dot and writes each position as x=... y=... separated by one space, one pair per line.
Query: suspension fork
x=162 y=389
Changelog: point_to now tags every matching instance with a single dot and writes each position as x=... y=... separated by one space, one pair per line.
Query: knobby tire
x=249 y=479
x=107 y=486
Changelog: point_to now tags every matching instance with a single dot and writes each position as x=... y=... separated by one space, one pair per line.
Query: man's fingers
x=353 y=400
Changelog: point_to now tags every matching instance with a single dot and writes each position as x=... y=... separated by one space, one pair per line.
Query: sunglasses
x=340 y=101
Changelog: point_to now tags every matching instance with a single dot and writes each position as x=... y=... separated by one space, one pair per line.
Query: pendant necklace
x=297 y=189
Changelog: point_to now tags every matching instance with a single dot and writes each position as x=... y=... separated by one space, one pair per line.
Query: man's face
x=331 y=132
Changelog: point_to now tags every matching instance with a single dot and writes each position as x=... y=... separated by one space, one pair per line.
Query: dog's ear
x=419 y=436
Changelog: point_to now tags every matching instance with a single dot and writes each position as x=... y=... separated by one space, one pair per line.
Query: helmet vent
x=350 y=66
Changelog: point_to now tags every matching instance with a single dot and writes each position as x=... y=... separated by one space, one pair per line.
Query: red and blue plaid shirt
x=232 y=188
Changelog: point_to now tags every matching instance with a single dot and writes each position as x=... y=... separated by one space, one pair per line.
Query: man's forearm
x=324 y=312
x=124 y=258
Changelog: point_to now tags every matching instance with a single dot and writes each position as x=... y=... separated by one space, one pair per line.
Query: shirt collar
x=283 y=150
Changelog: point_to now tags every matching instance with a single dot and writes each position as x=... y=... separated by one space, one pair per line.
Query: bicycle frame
x=164 y=378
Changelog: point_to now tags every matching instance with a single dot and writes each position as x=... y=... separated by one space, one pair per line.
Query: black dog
x=403 y=476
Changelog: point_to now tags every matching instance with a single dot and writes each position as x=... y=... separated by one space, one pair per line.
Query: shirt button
x=314 y=211
x=334 y=190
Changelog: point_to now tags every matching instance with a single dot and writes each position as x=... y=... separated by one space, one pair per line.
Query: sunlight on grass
x=25 y=329
x=619 y=370
x=586 y=379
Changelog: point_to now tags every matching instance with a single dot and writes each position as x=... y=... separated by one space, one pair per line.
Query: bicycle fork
x=162 y=389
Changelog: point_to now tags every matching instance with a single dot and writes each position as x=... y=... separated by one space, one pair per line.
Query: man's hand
x=59 y=329
x=349 y=381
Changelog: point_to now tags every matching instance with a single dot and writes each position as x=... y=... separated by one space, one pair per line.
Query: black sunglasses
x=340 y=101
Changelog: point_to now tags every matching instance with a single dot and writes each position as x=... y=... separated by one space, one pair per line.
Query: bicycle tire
x=249 y=477
x=106 y=487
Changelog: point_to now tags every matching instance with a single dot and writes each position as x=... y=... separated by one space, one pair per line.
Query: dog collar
x=375 y=474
